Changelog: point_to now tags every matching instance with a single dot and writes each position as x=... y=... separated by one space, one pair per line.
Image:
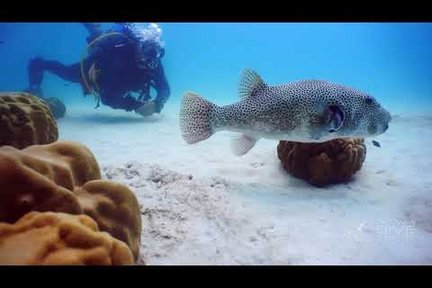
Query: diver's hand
x=147 y=109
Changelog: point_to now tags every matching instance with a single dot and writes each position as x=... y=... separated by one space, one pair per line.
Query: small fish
x=304 y=111
x=2 y=41
x=376 y=143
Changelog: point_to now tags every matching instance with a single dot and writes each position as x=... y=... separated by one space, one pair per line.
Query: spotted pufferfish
x=303 y=111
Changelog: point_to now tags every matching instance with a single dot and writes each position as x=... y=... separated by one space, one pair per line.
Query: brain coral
x=65 y=177
x=323 y=163
x=25 y=120
x=59 y=239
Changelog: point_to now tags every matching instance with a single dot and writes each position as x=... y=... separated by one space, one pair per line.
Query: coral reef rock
x=323 y=163
x=25 y=120
x=65 y=177
x=59 y=239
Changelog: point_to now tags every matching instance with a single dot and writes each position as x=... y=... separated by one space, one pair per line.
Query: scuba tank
x=95 y=54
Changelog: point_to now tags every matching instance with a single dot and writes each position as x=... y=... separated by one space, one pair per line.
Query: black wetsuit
x=120 y=72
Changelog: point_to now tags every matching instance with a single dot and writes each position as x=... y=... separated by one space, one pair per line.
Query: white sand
x=247 y=210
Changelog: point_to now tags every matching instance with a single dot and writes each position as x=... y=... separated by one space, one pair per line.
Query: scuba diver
x=119 y=68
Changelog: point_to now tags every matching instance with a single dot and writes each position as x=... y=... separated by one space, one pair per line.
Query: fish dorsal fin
x=250 y=83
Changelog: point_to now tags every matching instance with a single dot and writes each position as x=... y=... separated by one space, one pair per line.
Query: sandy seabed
x=203 y=205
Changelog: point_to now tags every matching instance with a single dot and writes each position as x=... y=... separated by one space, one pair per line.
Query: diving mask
x=150 y=55
x=146 y=62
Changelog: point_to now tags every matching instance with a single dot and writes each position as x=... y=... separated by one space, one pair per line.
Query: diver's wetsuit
x=120 y=73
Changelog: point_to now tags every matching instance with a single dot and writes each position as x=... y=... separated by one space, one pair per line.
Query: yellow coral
x=59 y=239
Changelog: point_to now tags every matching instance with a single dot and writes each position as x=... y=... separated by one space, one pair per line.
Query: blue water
x=392 y=61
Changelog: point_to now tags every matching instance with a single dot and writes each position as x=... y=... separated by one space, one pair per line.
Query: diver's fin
x=242 y=144
x=197 y=118
x=250 y=83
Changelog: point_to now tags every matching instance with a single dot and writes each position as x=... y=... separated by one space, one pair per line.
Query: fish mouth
x=336 y=118
x=388 y=119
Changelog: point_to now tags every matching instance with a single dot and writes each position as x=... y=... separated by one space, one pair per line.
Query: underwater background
x=391 y=61
x=199 y=203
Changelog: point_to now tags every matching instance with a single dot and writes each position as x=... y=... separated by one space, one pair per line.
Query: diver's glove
x=159 y=106
x=147 y=109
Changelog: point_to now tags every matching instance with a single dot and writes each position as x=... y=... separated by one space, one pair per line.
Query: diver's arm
x=118 y=100
x=162 y=87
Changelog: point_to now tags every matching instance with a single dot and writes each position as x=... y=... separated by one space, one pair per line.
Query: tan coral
x=59 y=239
x=115 y=208
x=43 y=177
x=65 y=177
x=25 y=120
x=323 y=163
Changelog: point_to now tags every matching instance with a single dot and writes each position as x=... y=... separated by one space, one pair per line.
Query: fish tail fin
x=197 y=118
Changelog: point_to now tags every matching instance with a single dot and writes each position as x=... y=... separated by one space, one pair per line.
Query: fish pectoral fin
x=243 y=143
x=250 y=83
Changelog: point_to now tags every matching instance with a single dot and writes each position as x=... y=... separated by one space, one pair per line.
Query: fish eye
x=368 y=100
